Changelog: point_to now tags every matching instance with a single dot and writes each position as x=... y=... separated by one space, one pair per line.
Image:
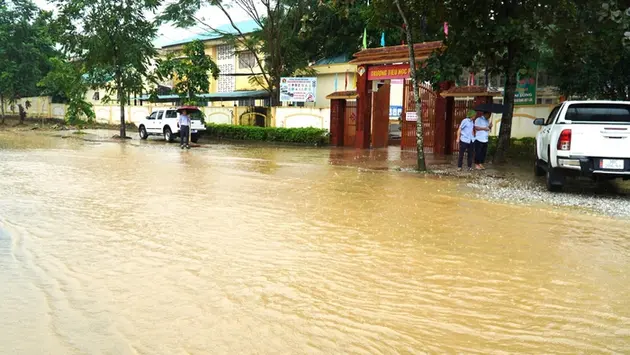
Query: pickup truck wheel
x=538 y=169
x=194 y=138
x=142 y=131
x=555 y=180
x=168 y=134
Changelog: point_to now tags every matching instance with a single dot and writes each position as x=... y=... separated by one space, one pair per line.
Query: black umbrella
x=492 y=108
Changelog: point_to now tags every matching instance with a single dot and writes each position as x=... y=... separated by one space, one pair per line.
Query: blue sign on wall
x=395 y=111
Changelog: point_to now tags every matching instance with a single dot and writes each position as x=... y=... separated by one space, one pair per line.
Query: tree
x=291 y=33
x=66 y=80
x=416 y=87
x=587 y=56
x=191 y=72
x=113 y=38
x=501 y=36
x=25 y=46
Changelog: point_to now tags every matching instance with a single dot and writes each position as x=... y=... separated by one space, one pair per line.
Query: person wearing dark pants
x=184 y=129
x=483 y=125
x=465 y=139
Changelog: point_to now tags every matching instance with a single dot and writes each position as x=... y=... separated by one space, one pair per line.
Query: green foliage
x=311 y=136
x=25 y=46
x=191 y=71
x=520 y=148
x=587 y=56
x=111 y=38
x=65 y=80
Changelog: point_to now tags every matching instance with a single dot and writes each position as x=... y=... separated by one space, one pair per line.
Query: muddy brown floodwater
x=141 y=248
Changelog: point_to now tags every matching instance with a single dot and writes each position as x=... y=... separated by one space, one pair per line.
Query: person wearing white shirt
x=465 y=139
x=483 y=125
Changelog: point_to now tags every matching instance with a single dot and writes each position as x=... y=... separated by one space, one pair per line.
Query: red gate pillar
x=442 y=131
x=362 y=140
x=337 y=117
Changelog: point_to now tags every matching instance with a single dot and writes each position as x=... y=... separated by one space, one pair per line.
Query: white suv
x=584 y=138
x=165 y=121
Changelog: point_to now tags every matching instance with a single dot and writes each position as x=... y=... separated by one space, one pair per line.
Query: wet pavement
x=142 y=248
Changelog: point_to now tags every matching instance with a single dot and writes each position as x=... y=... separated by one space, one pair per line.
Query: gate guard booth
x=376 y=67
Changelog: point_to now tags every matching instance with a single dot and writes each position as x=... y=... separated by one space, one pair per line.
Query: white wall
x=294 y=117
x=41 y=107
x=523 y=120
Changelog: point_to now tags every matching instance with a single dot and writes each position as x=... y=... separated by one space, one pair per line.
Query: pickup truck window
x=552 y=115
x=598 y=113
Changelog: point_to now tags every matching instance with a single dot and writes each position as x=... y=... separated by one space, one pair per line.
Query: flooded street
x=141 y=248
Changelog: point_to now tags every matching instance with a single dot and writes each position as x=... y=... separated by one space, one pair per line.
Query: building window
x=246 y=102
x=225 y=52
x=246 y=60
x=227 y=81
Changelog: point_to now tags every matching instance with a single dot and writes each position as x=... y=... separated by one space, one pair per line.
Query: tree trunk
x=416 y=90
x=2 y=108
x=121 y=102
x=505 y=133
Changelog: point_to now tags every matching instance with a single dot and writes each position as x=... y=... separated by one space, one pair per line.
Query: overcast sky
x=167 y=33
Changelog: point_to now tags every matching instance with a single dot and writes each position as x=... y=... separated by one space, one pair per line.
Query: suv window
x=153 y=116
x=171 y=114
x=552 y=115
x=160 y=114
x=598 y=112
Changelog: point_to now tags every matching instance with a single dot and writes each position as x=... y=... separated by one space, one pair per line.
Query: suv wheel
x=194 y=137
x=538 y=168
x=168 y=134
x=142 y=131
x=554 y=179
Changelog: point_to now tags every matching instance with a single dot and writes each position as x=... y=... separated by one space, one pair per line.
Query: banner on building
x=298 y=89
x=526 y=85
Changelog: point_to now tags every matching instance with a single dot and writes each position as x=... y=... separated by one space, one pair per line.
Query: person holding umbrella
x=184 y=129
x=483 y=125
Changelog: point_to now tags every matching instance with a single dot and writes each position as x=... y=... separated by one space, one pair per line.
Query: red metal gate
x=427 y=99
x=350 y=123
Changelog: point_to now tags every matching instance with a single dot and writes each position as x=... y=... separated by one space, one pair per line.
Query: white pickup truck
x=584 y=138
x=165 y=122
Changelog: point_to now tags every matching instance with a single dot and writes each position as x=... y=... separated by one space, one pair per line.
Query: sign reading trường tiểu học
x=298 y=89
x=386 y=72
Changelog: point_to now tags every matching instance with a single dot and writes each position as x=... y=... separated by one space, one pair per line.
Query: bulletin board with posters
x=298 y=89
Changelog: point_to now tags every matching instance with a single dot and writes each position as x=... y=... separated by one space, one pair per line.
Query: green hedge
x=520 y=148
x=312 y=136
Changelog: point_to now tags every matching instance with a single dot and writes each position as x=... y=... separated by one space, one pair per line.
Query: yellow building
x=236 y=65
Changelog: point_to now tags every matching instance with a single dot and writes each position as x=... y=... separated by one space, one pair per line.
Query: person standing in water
x=184 y=128
x=465 y=140
x=483 y=125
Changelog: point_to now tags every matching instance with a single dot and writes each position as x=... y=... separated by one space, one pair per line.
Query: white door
x=159 y=122
x=151 y=122
x=546 y=134
x=170 y=118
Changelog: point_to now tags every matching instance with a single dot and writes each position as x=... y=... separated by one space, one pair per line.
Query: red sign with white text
x=384 y=72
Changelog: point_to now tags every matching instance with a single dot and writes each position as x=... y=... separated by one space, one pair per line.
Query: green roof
x=340 y=59
x=244 y=26
x=215 y=96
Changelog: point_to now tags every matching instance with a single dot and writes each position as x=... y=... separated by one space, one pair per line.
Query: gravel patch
x=520 y=192
x=520 y=187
